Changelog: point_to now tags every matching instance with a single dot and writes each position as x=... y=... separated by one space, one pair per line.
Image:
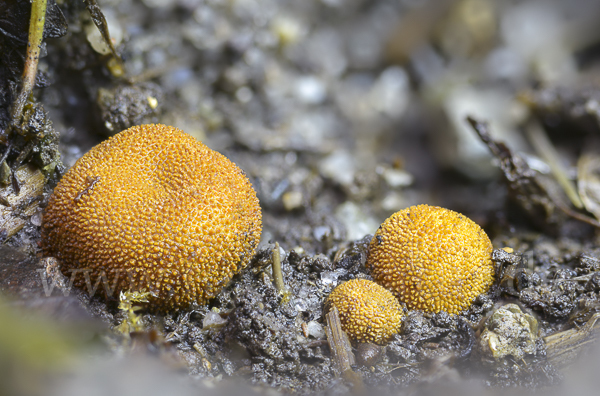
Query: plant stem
x=36 y=34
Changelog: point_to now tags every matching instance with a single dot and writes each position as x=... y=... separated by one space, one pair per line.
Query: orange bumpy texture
x=432 y=259
x=368 y=312
x=152 y=208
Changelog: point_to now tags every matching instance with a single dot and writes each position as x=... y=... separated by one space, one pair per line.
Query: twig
x=342 y=351
x=276 y=266
x=564 y=347
x=576 y=215
x=5 y=155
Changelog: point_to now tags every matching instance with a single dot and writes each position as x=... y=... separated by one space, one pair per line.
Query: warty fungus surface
x=368 y=312
x=152 y=208
x=432 y=259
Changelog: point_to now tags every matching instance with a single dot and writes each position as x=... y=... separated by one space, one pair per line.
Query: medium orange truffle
x=152 y=208
x=368 y=312
x=432 y=259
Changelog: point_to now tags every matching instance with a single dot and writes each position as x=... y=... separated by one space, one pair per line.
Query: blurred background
x=341 y=111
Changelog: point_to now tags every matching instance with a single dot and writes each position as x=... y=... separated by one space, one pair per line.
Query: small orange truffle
x=368 y=312
x=152 y=208
x=432 y=259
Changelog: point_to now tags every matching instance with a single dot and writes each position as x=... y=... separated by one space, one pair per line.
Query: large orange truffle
x=152 y=208
x=432 y=259
x=368 y=312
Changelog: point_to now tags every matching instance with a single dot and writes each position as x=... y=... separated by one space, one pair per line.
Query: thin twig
x=342 y=351
x=564 y=347
x=276 y=266
x=5 y=155
x=576 y=215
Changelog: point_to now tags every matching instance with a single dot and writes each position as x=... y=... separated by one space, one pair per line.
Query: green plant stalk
x=36 y=34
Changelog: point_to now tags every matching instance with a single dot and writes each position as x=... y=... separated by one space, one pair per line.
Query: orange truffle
x=432 y=259
x=152 y=208
x=368 y=312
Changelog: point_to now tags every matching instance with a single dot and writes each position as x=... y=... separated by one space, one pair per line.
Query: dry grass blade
x=564 y=347
x=544 y=147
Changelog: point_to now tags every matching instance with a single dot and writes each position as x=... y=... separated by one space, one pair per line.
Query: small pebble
x=292 y=200
x=212 y=319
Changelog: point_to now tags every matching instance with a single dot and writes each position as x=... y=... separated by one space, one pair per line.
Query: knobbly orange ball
x=368 y=312
x=432 y=259
x=152 y=208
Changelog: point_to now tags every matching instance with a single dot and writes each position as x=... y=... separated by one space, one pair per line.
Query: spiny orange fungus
x=152 y=208
x=368 y=312
x=432 y=259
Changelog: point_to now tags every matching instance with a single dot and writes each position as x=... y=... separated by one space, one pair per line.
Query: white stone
x=331 y=277
x=310 y=90
x=357 y=223
x=212 y=319
x=397 y=177
x=338 y=166
x=315 y=329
